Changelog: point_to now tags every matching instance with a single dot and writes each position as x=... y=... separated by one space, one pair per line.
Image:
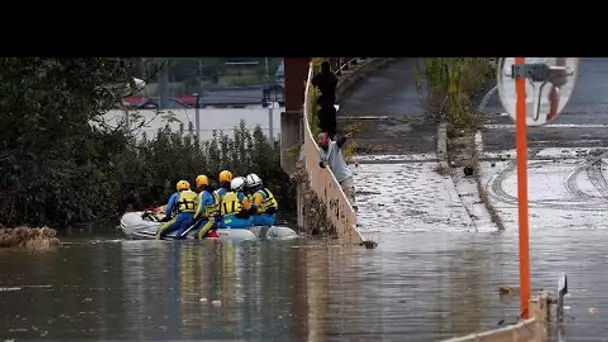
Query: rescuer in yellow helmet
x=183 y=203
x=208 y=207
x=235 y=206
x=224 y=178
x=264 y=204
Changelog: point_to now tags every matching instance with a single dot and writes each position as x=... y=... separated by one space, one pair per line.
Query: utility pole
x=267 y=71
x=199 y=101
x=270 y=106
x=163 y=85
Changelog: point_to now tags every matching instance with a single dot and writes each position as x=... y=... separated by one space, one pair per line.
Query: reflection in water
x=418 y=287
x=217 y=289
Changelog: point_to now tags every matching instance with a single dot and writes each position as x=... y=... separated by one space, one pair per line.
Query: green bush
x=59 y=169
x=451 y=84
x=150 y=170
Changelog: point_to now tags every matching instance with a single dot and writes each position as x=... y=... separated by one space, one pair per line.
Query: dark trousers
x=327 y=119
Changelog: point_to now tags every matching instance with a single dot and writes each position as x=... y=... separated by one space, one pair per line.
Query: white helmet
x=253 y=180
x=237 y=184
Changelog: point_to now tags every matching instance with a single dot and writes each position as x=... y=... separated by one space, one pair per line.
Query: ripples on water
x=414 y=287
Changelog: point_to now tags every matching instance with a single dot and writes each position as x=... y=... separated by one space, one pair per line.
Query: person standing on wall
x=327 y=82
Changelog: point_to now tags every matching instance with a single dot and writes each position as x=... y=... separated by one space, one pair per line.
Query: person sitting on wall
x=331 y=154
x=264 y=205
x=183 y=202
x=235 y=207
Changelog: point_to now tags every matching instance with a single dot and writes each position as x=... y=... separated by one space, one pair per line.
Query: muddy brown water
x=423 y=286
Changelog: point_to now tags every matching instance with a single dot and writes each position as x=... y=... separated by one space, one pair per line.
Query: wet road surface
x=405 y=201
x=387 y=112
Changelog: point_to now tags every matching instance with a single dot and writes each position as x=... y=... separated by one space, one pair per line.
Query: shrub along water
x=151 y=168
x=59 y=169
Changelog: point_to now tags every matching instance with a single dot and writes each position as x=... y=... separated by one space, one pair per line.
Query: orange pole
x=521 y=141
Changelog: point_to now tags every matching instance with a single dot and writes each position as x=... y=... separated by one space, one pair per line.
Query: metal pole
x=267 y=72
x=199 y=102
x=197 y=120
x=521 y=141
x=270 y=105
x=163 y=84
x=270 y=126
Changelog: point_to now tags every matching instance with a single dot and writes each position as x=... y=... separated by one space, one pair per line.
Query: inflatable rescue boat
x=144 y=224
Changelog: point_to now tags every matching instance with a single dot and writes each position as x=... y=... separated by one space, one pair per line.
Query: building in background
x=246 y=96
x=280 y=74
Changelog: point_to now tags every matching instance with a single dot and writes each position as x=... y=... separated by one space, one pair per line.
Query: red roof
x=187 y=99
x=134 y=100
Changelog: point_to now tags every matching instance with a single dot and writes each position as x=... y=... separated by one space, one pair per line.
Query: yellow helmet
x=201 y=180
x=225 y=176
x=182 y=185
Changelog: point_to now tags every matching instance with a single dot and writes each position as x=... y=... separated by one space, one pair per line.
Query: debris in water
x=369 y=244
x=505 y=290
x=6 y=289
x=203 y=300
x=216 y=303
x=592 y=310
x=30 y=238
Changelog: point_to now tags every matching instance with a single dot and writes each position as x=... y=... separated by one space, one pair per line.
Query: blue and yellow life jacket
x=187 y=202
x=211 y=210
x=231 y=205
x=268 y=201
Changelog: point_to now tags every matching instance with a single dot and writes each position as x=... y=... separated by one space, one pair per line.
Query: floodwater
x=423 y=286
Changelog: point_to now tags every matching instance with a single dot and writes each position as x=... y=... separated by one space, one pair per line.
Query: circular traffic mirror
x=546 y=96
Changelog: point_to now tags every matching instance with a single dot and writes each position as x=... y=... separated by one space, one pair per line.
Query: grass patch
x=352 y=145
x=355 y=127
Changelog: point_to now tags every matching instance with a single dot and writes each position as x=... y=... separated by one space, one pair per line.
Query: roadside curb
x=481 y=190
x=442 y=145
x=445 y=170
x=443 y=157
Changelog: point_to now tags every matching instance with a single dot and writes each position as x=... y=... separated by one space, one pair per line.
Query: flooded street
x=435 y=274
x=422 y=286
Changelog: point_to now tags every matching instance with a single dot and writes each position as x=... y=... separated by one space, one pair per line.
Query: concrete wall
x=533 y=329
x=291 y=124
x=298 y=143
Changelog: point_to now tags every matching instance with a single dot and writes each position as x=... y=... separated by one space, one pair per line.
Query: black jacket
x=327 y=84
